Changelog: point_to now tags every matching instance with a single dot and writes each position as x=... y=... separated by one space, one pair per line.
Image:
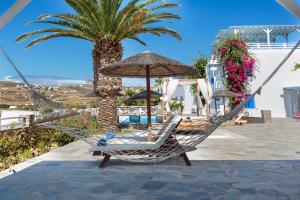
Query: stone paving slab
x=171 y=180
x=279 y=140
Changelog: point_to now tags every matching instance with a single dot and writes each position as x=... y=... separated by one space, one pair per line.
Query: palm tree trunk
x=107 y=88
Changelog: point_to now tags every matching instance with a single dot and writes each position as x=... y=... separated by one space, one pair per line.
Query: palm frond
x=30 y=34
x=166 y=5
x=162 y=30
x=56 y=32
x=75 y=26
x=149 y=2
x=137 y=25
x=138 y=40
x=44 y=38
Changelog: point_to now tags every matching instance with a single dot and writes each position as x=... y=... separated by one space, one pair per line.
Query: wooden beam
x=148 y=103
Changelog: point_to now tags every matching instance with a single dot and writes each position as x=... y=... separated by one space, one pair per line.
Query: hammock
x=45 y=110
x=170 y=142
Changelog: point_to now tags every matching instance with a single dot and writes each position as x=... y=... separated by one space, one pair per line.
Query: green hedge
x=4 y=106
x=19 y=145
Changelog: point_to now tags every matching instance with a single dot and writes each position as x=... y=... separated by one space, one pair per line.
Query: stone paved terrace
x=258 y=161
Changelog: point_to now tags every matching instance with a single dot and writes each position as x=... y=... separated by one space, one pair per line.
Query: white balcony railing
x=15 y=122
x=271 y=45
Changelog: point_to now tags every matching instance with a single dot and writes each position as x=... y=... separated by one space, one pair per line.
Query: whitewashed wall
x=12 y=114
x=272 y=94
x=188 y=102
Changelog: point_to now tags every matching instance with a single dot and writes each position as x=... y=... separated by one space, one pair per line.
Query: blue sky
x=70 y=58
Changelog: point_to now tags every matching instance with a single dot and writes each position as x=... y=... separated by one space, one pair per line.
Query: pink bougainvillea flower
x=234 y=56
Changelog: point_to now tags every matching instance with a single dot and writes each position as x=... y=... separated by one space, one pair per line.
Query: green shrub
x=22 y=144
x=25 y=107
x=4 y=106
x=176 y=106
x=94 y=104
x=82 y=122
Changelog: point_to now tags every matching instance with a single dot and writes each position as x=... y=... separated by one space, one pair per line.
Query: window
x=251 y=103
x=249 y=72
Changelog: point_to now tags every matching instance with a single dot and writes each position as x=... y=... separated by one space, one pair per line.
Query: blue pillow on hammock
x=103 y=141
x=110 y=135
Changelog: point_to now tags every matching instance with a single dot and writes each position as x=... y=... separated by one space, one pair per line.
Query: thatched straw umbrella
x=147 y=65
x=221 y=93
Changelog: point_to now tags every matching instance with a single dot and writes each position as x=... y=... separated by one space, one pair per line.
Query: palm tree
x=106 y=23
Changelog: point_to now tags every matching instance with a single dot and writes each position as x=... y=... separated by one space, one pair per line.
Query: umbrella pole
x=216 y=109
x=162 y=113
x=198 y=100
x=224 y=105
x=148 y=103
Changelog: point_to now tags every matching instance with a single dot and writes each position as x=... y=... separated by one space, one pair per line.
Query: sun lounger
x=120 y=112
x=130 y=146
x=239 y=120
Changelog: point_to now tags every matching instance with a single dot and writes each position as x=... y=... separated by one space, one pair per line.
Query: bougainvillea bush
x=83 y=122
x=238 y=64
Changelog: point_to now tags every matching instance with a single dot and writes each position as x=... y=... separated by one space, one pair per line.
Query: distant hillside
x=71 y=96
x=14 y=94
x=8 y=84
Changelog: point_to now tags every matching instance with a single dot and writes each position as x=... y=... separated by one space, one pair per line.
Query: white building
x=14 y=118
x=184 y=95
x=269 y=44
